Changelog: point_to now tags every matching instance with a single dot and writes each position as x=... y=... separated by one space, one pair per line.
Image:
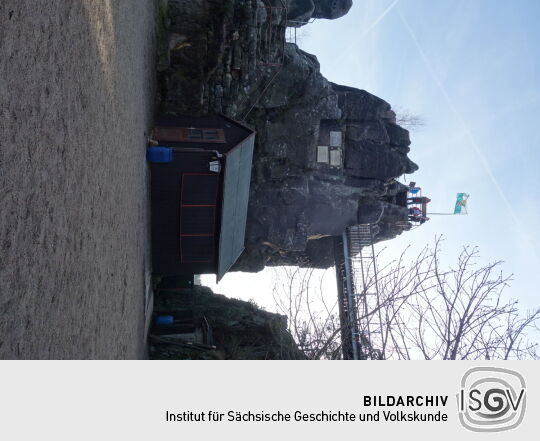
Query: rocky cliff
x=326 y=155
x=235 y=330
x=299 y=12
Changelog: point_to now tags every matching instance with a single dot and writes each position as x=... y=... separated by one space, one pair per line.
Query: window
x=212 y=134
x=189 y=134
x=194 y=134
x=205 y=135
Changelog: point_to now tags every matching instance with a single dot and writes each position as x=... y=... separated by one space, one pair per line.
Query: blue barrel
x=159 y=154
x=164 y=320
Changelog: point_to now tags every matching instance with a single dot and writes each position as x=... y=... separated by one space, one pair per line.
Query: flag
x=461 y=203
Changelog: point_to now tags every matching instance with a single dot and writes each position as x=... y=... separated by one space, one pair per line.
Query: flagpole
x=444 y=214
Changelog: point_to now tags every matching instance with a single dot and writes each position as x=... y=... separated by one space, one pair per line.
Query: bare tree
x=313 y=322
x=408 y=119
x=460 y=313
x=424 y=311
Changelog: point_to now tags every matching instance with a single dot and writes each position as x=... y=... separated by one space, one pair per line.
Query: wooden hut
x=200 y=198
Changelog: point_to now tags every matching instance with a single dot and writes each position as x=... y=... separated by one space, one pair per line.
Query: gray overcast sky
x=471 y=70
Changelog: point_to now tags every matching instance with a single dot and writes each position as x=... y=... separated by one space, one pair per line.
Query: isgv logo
x=491 y=399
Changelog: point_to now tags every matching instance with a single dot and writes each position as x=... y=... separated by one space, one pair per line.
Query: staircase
x=272 y=23
x=358 y=294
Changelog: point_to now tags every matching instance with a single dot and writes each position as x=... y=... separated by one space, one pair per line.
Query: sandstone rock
x=331 y=9
x=301 y=11
x=239 y=330
x=326 y=155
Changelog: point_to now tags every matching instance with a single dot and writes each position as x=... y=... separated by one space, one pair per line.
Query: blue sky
x=471 y=70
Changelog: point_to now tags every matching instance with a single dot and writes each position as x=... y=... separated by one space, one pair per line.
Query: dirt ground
x=76 y=82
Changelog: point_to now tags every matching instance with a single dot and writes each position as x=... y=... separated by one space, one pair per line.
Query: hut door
x=198 y=217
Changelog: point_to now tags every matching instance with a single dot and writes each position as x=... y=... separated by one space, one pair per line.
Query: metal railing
x=358 y=294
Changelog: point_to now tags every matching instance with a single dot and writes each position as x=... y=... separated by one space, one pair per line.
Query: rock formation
x=239 y=330
x=326 y=155
x=299 y=12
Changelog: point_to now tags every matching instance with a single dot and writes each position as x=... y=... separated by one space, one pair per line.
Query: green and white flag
x=461 y=203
